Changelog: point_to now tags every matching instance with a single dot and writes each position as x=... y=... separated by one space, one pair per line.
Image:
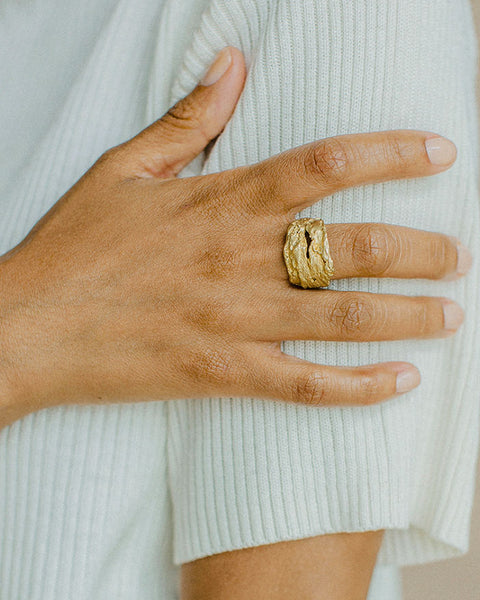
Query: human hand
x=139 y=286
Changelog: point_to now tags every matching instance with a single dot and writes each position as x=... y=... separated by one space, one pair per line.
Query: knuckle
x=209 y=366
x=441 y=253
x=184 y=115
x=211 y=199
x=398 y=153
x=369 y=387
x=312 y=389
x=210 y=316
x=373 y=249
x=352 y=314
x=218 y=262
x=253 y=188
x=424 y=311
x=329 y=160
x=111 y=155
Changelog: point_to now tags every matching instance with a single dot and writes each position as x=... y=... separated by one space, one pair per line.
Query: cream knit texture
x=106 y=501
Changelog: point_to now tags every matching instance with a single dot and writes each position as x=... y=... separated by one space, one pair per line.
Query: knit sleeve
x=245 y=471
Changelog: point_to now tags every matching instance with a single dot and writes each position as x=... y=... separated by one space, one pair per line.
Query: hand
x=137 y=285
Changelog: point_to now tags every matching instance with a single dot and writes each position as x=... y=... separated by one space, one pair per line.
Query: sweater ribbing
x=107 y=501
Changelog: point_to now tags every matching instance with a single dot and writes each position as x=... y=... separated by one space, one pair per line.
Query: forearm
x=328 y=567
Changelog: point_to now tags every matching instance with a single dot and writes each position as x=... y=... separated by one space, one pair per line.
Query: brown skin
x=327 y=567
x=137 y=285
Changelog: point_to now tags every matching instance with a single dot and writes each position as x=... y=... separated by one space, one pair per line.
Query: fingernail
x=452 y=316
x=440 y=150
x=218 y=68
x=464 y=260
x=407 y=380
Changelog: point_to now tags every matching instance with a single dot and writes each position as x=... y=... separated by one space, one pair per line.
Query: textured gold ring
x=307 y=254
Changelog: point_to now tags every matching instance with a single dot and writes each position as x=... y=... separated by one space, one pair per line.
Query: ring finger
x=380 y=250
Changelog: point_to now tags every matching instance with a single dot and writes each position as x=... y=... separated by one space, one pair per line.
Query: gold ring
x=307 y=255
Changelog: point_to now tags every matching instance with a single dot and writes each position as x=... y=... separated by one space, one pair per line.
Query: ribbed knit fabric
x=106 y=501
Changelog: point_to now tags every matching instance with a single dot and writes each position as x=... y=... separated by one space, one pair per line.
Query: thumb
x=169 y=144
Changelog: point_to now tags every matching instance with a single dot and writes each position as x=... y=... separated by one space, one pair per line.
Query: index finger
x=296 y=178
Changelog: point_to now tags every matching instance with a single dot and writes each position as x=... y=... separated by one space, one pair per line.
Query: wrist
x=15 y=401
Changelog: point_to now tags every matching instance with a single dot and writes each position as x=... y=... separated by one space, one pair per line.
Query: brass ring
x=307 y=255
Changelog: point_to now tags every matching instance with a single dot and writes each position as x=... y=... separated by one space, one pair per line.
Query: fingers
x=296 y=178
x=380 y=250
x=283 y=377
x=330 y=315
x=164 y=148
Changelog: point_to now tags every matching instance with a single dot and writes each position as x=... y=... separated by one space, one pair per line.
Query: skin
x=326 y=567
x=137 y=285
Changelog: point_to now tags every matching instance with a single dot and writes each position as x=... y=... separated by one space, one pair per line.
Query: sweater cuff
x=247 y=472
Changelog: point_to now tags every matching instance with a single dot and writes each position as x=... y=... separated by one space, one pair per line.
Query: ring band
x=307 y=255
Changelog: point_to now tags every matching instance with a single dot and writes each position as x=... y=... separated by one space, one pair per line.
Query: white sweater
x=102 y=502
